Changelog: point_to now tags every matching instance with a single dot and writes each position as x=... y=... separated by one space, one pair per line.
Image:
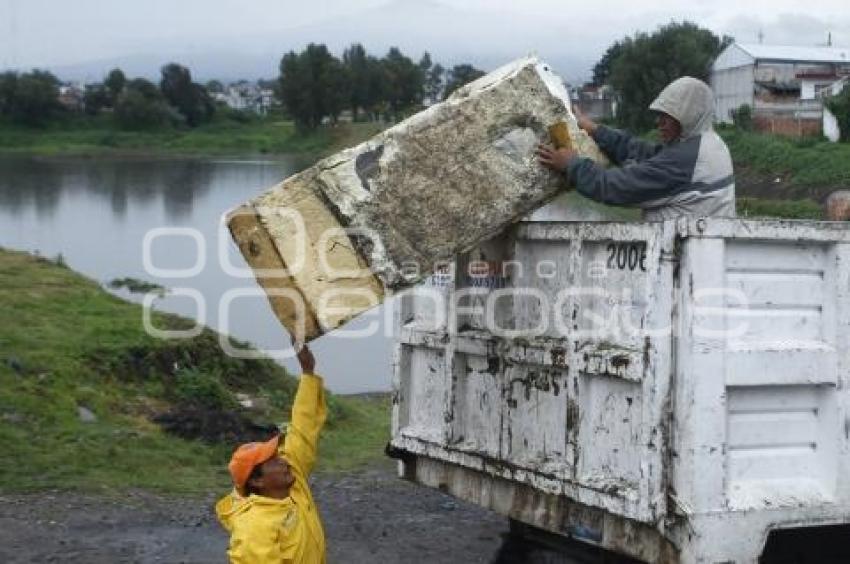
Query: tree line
x=29 y=98
x=33 y=98
x=314 y=86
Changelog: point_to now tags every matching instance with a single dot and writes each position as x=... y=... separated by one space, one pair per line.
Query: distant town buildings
x=246 y=97
x=596 y=102
x=784 y=86
x=72 y=97
x=241 y=96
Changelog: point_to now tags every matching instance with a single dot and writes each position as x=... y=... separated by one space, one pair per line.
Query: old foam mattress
x=334 y=240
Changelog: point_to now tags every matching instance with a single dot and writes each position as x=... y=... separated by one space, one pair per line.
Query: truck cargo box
x=672 y=391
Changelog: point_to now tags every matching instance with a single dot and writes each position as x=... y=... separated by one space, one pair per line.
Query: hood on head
x=690 y=101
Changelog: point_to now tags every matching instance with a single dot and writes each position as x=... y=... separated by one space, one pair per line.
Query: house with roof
x=783 y=85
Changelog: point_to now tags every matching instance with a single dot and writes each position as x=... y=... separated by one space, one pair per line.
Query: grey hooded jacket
x=690 y=176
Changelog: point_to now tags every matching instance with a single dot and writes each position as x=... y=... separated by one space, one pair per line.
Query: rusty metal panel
x=543 y=355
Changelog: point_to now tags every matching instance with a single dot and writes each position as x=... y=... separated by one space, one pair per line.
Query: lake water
x=96 y=213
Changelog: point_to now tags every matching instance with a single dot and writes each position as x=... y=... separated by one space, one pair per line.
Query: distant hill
x=452 y=36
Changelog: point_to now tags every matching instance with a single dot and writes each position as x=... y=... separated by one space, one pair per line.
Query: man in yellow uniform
x=271 y=515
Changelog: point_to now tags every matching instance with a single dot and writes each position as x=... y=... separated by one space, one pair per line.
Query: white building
x=246 y=97
x=780 y=83
x=72 y=96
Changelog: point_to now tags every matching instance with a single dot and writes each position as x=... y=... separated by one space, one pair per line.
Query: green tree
x=190 y=99
x=147 y=88
x=141 y=105
x=434 y=82
x=215 y=86
x=646 y=63
x=432 y=78
x=8 y=85
x=425 y=63
x=356 y=62
x=459 y=76
x=291 y=89
x=115 y=83
x=336 y=87
x=312 y=85
x=742 y=117
x=376 y=88
x=96 y=98
x=35 y=99
x=602 y=69
x=405 y=80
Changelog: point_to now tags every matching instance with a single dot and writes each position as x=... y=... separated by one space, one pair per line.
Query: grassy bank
x=97 y=136
x=774 y=167
x=69 y=350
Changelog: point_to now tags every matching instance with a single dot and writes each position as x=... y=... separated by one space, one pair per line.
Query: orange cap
x=247 y=456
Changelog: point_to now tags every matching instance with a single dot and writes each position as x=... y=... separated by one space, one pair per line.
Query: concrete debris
x=331 y=242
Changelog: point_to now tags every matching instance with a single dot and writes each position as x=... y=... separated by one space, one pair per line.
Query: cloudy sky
x=226 y=38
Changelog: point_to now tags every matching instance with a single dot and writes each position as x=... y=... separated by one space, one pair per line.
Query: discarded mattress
x=334 y=240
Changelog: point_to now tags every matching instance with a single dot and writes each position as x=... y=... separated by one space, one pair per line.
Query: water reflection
x=29 y=186
x=41 y=183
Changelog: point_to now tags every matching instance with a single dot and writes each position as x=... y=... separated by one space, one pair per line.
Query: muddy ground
x=369 y=517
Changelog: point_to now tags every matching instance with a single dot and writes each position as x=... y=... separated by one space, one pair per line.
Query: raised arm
x=308 y=416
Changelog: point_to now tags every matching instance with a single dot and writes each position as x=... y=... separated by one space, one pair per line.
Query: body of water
x=97 y=213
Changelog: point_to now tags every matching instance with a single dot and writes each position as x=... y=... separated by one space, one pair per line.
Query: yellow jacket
x=274 y=531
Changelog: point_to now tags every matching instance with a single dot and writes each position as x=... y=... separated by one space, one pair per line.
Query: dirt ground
x=369 y=517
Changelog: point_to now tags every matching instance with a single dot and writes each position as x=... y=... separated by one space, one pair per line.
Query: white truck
x=674 y=392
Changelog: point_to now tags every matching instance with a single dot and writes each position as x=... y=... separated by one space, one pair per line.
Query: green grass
x=223 y=136
x=65 y=343
x=805 y=162
x=358 y=437
x=787 y=209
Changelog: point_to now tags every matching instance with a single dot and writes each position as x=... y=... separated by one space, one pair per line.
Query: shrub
x=743 y=117
x=133 y=111
x=202 y=389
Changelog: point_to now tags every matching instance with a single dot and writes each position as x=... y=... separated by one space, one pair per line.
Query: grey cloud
x=788 y=29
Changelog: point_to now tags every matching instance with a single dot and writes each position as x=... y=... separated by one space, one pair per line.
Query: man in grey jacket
x=689 y=173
